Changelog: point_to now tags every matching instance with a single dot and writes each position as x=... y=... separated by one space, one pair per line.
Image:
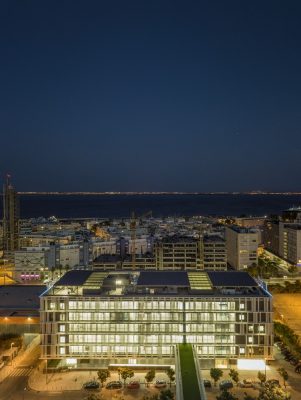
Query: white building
x=102 y=318
x=242 y=246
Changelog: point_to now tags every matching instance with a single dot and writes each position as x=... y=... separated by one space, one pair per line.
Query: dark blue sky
x=151 y=95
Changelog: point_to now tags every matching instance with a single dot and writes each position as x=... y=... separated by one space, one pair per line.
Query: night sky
x=150 y=95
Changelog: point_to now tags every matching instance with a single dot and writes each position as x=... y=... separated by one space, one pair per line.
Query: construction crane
x=133 y=227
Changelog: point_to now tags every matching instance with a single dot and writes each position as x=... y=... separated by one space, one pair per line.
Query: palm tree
x=150 y=376
x=216 y=374
x=234 y=375
x=126 y=373
x=103 y=375
x=284 y=374
x=171 y=375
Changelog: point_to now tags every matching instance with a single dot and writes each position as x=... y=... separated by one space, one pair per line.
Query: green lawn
x=189 y=377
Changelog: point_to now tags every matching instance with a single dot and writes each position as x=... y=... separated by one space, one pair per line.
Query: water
x=116 y=206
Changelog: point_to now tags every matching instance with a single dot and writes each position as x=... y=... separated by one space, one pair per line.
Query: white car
x=160 y=384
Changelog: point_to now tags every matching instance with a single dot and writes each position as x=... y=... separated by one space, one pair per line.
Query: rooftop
x=20 y=299
x=177 y=239
x=175 y=283
x=240 y=229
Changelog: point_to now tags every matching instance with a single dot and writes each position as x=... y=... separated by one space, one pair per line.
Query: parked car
x=207 y=383
x=257 y=385
x=226 y=385
x=160 y=384
x=298 y=368
x=274 y=382
x=294 y=361
x=133 y=385
x=246 y=383
x=114 y=385
x=91 y=385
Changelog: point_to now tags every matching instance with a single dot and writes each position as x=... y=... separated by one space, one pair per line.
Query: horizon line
x=108 y=193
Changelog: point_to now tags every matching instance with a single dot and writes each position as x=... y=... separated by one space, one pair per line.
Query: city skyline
x=151 y=97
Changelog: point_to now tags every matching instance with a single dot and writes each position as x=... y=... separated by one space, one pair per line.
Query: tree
x=226 y=395
x=171 y=375
x=126 y=373
x=166 y=395
x=150 y=376
x=92 y=397
x=248 y=397
x=273 y=392
x=284 y=374
x=103 y=375
x=216 y=374
x=262 y=377
x=234 y=375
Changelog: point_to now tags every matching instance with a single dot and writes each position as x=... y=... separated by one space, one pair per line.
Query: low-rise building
x=19 y=308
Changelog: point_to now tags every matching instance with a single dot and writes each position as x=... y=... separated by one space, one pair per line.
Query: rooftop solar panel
x=74 y=278
x=164 y=278
x=231 y=278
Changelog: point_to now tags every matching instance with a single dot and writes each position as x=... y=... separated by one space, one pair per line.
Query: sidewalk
x=59 y=381
x=74 y=380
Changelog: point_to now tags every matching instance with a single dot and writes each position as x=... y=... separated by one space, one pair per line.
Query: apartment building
x=177 y=253
x=101 y=318
x=242 y=245
x=270 y=236
x=214 y=253
x=290 y=243
x=34 y=263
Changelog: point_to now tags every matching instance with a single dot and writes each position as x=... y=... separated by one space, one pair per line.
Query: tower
x=10 y=217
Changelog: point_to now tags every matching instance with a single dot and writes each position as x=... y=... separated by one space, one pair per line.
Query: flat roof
x=17 y=298
x=231 y=278
x=177 y=239
x=73 y=278
x=191 y=280
x=163 y=278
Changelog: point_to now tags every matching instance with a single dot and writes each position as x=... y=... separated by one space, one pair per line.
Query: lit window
x=261 y=328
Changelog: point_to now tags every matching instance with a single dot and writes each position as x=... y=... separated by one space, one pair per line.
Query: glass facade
x=139 y=326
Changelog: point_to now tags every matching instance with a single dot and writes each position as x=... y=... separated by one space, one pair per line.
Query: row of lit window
x=148 y=328
x=147 y=305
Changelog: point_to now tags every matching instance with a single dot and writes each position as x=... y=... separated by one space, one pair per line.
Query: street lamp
x=11 y=353
x=265 y=368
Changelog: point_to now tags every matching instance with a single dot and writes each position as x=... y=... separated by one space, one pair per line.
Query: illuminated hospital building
x=96 y=318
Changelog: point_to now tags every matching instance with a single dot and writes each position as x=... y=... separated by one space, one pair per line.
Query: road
x=14 y=386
